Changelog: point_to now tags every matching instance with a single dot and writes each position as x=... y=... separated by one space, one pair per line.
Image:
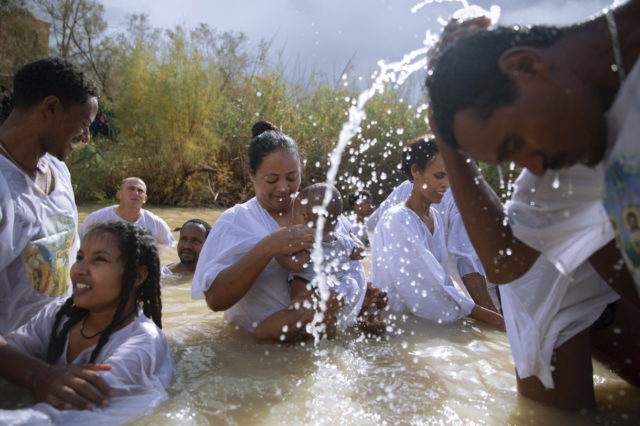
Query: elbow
x=214 y=303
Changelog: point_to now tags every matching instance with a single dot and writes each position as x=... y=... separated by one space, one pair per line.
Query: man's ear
x=519 y=62
x=50 y=105
x=141 y=275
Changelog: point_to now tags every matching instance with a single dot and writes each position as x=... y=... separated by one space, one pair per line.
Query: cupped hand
x=291 y=239
x=456 y=29
x=73 y=386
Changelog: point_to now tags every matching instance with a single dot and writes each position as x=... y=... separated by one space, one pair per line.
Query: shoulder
x=397 y=212
x=104 y=211
x=239 y=212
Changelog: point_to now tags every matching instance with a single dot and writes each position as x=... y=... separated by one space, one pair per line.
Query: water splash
x=396 y=73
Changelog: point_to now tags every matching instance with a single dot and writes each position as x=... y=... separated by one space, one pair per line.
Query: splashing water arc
x=397 y=73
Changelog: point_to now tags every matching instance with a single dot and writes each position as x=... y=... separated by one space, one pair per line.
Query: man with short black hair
x=193 y=234
x=54 y=104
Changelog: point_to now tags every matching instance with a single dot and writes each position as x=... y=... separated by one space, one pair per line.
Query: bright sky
x=325 y=34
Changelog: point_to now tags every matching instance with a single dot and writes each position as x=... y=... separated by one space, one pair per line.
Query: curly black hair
x=52 y=76
x=420 y=151
x=137 y=248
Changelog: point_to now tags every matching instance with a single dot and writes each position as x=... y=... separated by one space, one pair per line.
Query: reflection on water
x=430 y=374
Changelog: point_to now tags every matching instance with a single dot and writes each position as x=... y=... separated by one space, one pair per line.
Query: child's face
x=299 y=214
x=97 y=273
x=363 y=207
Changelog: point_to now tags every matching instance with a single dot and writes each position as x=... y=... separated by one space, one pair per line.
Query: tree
x=24 y=38
x=78 y=30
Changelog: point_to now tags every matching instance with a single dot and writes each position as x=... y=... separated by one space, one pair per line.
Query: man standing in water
x=193 y=234
x=54 y=104
x=131 y=196
x=537 y=97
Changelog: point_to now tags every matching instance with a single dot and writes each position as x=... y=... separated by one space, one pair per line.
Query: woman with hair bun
x=409 y=254
x=238 y=271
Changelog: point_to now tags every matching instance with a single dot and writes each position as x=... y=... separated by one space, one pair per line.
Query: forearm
x=18 y=367
x=294 y=262
x=503 y=256
x=232 y=283
x=285 y=326
x=476 y=285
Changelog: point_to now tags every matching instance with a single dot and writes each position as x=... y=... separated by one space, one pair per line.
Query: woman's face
x=97 y=274
x=432 y=182
x=276 y=180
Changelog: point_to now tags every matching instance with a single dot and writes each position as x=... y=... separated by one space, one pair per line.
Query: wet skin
x=554 y=122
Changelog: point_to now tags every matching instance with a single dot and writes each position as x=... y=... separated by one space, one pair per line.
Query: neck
x=130 y=214
x=97 y=321
x=183 y=268
x=418 y=203
x=587 y=50
x=21 y=141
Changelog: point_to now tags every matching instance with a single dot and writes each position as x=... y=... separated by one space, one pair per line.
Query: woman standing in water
x=409 y=252
x=238 y=272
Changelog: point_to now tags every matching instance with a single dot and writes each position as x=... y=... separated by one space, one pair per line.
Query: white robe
x=141 y=369
x=561 y=294
x=410 y=264
x=38 y=241
x=461 y=252
x=147 y=220
x=232 y=236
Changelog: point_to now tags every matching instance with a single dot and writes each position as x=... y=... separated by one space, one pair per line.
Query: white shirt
x=147 y=220
x=411 y=265
x=38 y=241
x=140 y=360
x=235 y=233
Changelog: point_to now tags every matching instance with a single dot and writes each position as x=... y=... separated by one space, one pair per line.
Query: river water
x=428 y=374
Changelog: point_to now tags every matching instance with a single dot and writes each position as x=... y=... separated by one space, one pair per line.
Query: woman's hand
x=72 y=386
x=290 y=239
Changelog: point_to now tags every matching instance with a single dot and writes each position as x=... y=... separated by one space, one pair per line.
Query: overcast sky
x=325 y=34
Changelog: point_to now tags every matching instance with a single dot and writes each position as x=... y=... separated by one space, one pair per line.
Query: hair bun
x=260 y=127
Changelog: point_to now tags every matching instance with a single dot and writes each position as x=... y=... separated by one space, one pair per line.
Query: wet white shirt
x=561 y=294
x=38 y=241
x=140 y=360
x=411 y=265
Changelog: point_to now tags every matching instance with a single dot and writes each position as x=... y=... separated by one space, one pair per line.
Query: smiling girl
x=409 y=254
x=103 y=341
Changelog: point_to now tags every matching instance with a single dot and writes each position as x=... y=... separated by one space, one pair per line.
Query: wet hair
x=421 y=152
x=52 y=77
x=466 y=74
x=267 y=139
x=354 y=197
x=314 y=194
x=200 y=222
x=137 y=248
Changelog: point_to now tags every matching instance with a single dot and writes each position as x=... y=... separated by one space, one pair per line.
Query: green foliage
x=182 y=105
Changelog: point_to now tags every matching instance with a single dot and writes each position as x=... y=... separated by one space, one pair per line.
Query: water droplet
x=556 y=181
